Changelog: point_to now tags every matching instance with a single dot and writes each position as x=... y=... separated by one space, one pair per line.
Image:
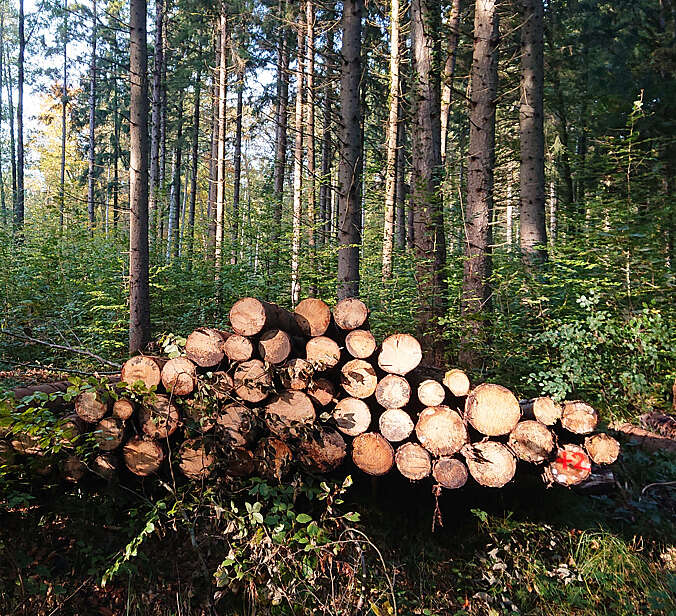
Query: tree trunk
x=449 y=74
x=237 y=163
x=327 y=152
x=222 y=96
x=139 y=296
x=162 y=157
x=175 y=204
x=349 y=179
x=194 y=167
x=401 y=189
x=92 y=124
x=310 y=122
x=64 y=108
x=19 y=206
x=158 y=62
x=213 y=155
x=12 y=137
x=116 y=158
x=478 y=259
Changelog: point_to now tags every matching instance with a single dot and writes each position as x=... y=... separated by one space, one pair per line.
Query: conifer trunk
x=92 y=124
x=158 y=62
x=222 y=96
x=19 y=205
x=449 y=74
x=237 y=164
x=64 y=107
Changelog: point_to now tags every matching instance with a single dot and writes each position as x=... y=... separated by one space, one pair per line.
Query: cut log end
x=179 y=376
x=105 y=465
x=543 y=409
x=395 y=425
x=431 y=393
x=273 y=458
x=579 y=417
x=240 y=463
x=109 y=433
x=142 y=456
x=297 y=374
x=322 y=391
x=491 y=464
x=399 y=354
x=531 y=441
x=322 y=352
x=235 y=425
x=143 y=368
x=372 y=454
x=248 y=317
x=358 y=378
x=91 y=406
x=323 y=450
x=252 y=381
x=571 y=467
x=413 y=461
x=457 y=382
x=195 y=461
x=290 y=414
x=492 y=409
x=159 y=418
x=274 y=346
x=350 y=313
x=393 y=392
x=602 y=449
x=352 y=416
x=360 y=343
x=238 y=348
x=441 y=431
x=450 y=473
x=313 y=317
x=204 y=346
x=123 y=409
x=73 y=469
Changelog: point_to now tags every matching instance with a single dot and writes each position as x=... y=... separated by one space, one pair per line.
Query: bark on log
x=393 y=392
x=531 y=441
x=441 y=431
x=123 y=409
x=450 y=473
x=195 y=461
x=322 y=391
x=179 y=376
x=322 y=352
x=159 y=418
x=91 y=406
x=252 y=381
x=290 y=414
x=457 y=382
x=57 y=387
x=235 y=425
x=395 y=425
x=360 y=343
x=491 y=464
x=350 y=313
x=571 y=467
x=660 y=423
x=352 y=416
x=358 y=378
x=372 y=454
x=142 y=456
x=250 y=316
x=297 y=374
x=413 y=461
x=143 y=368
x=431 y=393
x=323 y=450
x=602 y=449
x=492 y=409
x=272 y=458
x=650 y=441
x=109 y=433
x=204 y=346
x=578 y=417
x=237 y=347
x=313 y=317
x=399 y=354
x=542 y=409
x=274 y=346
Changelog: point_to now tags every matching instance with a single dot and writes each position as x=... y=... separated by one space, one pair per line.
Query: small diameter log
x=105 y=465
x=274 y=346
x=450 y=473
x=322 y=391
x=578 y=417
x=204 y=346
x=91 y=406
x=143 y=368
x=236 y=347
x=531 y=441
x=350 y=313
x=372 y=454
x=194 y=460
x=360 y=343
x=179 y=376
x=395 y=425
x=413 y=461
x=431 y=393
x=239 y=463
x=250 y=316
x=491 y=464
x=322 y=352
x=297 y=374
x=235 y=425
x=602 y=449
x=492 y=409
x=441 y=431
x=393 y=392
x=313 y=317
x=543 y=409
x=73 y=469
x=252 y=381
x=201 y=412
x=457 y=382
x=290 y=414
x=399 y=354
x=571 y=467
x=123 y=409
x=142 y=456
x=109 y=433
x=358 y=378
x=272 y=458
x=159 y=418
x=323 y=450
x=352 y=416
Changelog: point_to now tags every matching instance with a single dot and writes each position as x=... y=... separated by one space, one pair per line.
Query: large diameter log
x=159 y=418
x=542 y=409
x=274 y=346
x=531 y=441
x=297 y=374
x=109 y=433
x=413 y=461
x=252 y=381
x=350 y=313
x=250 y=316
x=237 y=347
x=91 y=406
x=313 y=317
x=322 y=391
x=491 y=464
x=441 y=431
x=372 y=454
x=290 y=414
x=123 y=409
x=272 y=458
x=352 y=416
x=235 y=425
x=204 y=346
x=571 y=467
x=450 y=473
x=358 y=378
x=395 y=425
x=393 y=392
x=322 y=352
x=179 y=376
x=399 y=354
x=578 y=417
x=143 y=368
x=142 y=456
x=105 y=465
x=360 y=343
x=322 y=450
x=431 y=393
x=457 y=382
x=195 y=461
x=492 y=409
x=602 y=449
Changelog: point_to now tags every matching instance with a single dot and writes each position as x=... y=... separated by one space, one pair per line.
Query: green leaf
x=303 y=518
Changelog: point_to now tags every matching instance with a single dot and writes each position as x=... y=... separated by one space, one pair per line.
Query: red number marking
x=577 y=461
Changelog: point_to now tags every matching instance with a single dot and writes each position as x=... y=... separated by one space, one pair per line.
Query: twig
x=56 y=370
x=659 y=484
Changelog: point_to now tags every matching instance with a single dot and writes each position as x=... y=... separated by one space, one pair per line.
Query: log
x=578 y=417
x=143 y=368
x=313 y=317
x=490 y=463
x=322 y=391
x=26 y=444
x=322 y=352
x=223 y=385
x=70 y=428
x=413 y=461
x=204 y=347
x=235 y=425
x=91 y=406
x=651 y=441
x=239 y=463
x=358 y=378
x=297 y=374
x=290 y=414
x=159 y=418
x=531 y=441
x=73 y=469
x=602 y=449
x=123 y=409
x=660 y=423
x=352 y=416
x=441 y=431
x=492 y=409
x=372 y=454
x=571 y=467
x=105 y=465
x=200 y=412
x=237 y=347
x=179 y=376
x=360 y=343
x=142 y=456
x=431 y=393
x=393 y=392
x=395 y=425
x=542 y=409
x=350 y=313
x=195 y=461
x=274 y=346
x=399 y=354
x=58 y=387
x=273 y=458
x=457 y=382
x=252 y=381
x=450 y=473
x=250 y=316
x=322 y=450
x=109 y=433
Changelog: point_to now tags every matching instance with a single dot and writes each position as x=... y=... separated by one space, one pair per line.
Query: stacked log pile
x=313 y=388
